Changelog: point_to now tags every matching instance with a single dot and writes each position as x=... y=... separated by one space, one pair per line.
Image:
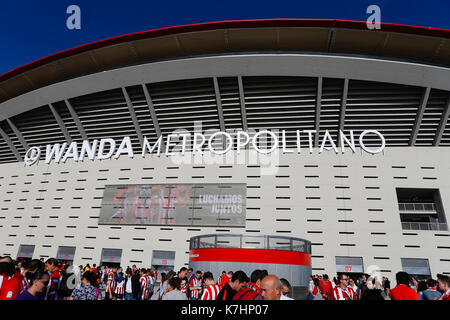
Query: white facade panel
x=345 y=204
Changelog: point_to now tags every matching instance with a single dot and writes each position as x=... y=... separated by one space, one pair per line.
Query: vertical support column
x=18 y=134
x=76 y=119
x=152 y=110
x=219 y=104
x=343 y=109
x=318 y=107
x=61 y=124
x=11 y=145
x=419 y=116
x=242 y=100
x=133 y=117
x=443 y=123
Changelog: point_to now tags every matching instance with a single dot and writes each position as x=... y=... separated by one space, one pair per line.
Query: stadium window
x=25 y=252
x=419 y=268
x=111 y=257
x=421 y=209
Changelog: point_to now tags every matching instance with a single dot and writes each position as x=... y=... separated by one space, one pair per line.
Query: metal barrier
x=424 y=226
x=250 y=242
x=410 y=207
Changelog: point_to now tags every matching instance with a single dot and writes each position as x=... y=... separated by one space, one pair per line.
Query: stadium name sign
x=106 y=148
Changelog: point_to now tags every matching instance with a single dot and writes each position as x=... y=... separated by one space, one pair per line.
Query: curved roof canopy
x=393 y=41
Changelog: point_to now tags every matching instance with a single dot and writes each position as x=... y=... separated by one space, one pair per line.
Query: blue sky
x=34 y=29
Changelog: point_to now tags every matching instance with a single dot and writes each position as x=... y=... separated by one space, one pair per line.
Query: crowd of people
x=344 y=287
x=51 y=280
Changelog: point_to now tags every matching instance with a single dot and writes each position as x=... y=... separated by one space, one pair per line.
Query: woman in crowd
x=88 y=289
x=165 y=284
x=174 y=291
x=38 y=285
x=317 y=291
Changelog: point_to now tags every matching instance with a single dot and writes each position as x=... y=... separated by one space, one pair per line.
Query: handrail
x=417 y=207
x=250 y=242
x=435 y=226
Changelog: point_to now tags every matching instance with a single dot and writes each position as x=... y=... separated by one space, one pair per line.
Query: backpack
x=246 y=294
x=66 y=284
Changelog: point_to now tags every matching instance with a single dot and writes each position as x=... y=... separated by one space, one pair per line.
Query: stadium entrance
x=351 y=266
x=163 y=261
x=25 y=252
x=65 y=255
x=111 y=257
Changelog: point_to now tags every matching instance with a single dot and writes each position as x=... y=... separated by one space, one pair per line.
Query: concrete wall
x=300 y=195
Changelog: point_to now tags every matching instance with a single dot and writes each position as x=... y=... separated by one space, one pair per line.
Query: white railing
x=411 y=207
x=424 y=226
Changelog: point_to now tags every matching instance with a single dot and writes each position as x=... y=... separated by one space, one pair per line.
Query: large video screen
x=175 y=204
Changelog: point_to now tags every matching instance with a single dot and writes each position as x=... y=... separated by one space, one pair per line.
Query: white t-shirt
x=129 y=289
x=283 y=297
x=311 y=286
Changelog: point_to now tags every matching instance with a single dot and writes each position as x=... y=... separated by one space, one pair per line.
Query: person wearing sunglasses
x=342 y=291
x=352 y=284
x=38 y=286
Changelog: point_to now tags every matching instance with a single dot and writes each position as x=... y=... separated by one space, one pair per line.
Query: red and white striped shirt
x=194 y=282
x=211 y=292
x=145 y=286
x=25 y=284
x=338 y=294
x=120 y=288
x=112 y=285
x=183 y=286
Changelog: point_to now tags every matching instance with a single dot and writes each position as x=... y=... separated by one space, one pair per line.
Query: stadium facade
x=120 y=151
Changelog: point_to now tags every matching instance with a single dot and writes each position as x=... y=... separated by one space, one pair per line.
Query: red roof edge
x=259 y=23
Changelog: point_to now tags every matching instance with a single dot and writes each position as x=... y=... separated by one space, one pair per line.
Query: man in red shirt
x=224 y=279
x=326 y=286
x=94 y=269
x=52 y=267
x=219 y=280
x=10 y=283
x=253 y=289
x=195 y=285
x=402 y=291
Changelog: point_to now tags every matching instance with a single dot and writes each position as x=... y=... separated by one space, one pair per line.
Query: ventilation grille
x=390 y=109
x=275 y=103
x=284 y=103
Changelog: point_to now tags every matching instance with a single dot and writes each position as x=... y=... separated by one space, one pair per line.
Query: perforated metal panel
x=390 y=109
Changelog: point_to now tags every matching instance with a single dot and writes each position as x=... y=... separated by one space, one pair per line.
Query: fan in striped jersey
x=211 y=290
